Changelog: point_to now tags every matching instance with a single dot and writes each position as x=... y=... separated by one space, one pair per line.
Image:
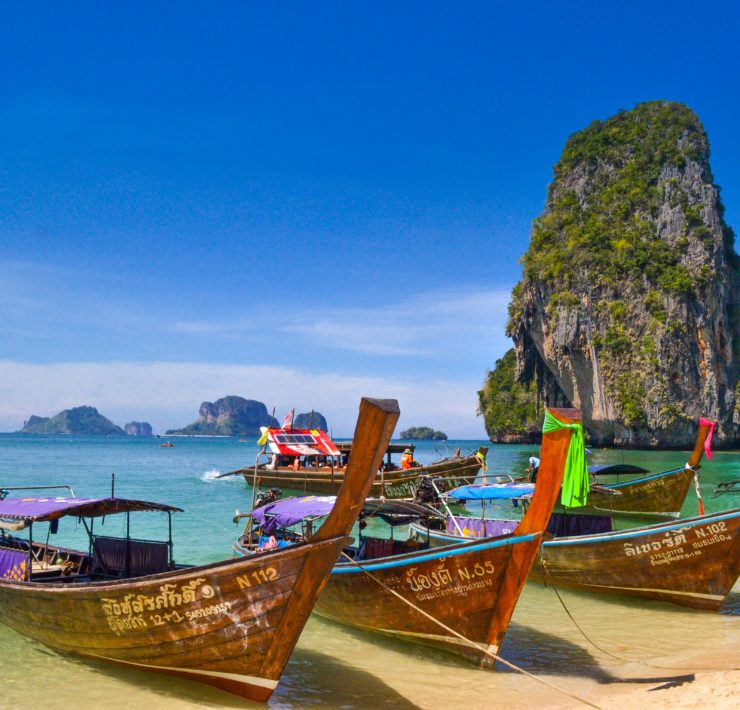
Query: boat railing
x=4 y=490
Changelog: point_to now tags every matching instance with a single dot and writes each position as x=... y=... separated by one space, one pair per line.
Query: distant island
x=229 y=416
x=423 y=432
x=138 y=429
x=78 y=420
x=310 y=420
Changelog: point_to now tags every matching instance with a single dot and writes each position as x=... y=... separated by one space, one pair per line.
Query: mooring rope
x=451 y=631
x=551 y=584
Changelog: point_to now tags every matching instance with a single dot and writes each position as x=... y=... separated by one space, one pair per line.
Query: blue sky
x=302 y=203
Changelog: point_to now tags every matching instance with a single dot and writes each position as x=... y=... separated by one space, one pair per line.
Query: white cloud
x=168 y=394
x=428 y=324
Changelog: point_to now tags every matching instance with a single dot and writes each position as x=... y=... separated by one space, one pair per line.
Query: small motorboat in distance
x=230 y=624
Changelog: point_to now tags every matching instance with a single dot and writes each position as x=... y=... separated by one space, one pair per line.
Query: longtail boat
x=649 y=495
x=231 y=624
x=693 y=562
x=653 y=495
x=307 y=460
x=471 y=587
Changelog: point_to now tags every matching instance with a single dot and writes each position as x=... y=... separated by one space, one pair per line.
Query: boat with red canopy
x=231 y=624
x=307 y=460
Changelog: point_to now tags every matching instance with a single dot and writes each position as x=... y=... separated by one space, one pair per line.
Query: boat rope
x=458 y=635
x=551 y=584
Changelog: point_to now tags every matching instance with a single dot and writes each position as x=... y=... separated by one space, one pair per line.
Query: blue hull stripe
x=642 y=532
x=645 y=478
x=415 y=558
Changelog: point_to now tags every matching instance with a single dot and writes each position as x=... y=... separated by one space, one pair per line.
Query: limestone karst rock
x=229 y=416
x=629 y=306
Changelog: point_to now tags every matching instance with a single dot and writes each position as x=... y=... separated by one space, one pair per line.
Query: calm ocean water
x=334 y=666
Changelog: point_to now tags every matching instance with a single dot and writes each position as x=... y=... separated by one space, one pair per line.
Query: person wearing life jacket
x=407 y=459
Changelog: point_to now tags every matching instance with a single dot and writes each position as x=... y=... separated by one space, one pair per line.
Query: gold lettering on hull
x=130 y=613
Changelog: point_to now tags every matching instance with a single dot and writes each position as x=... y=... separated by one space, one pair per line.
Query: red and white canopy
x=300 y=442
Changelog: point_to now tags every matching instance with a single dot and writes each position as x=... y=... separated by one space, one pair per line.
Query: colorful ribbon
x=708 y=440
x=576 y=485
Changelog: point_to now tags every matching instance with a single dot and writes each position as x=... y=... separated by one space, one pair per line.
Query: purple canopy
x=291 y=511
x=40 y=509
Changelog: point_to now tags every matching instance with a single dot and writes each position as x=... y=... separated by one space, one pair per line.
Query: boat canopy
x=292 y=511
x=492 y=491
x=346 y=446
x=300 y=442
x=35 y=509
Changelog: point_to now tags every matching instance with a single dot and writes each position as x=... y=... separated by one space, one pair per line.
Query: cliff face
x=628 y=308
x=78 y=420
x=229 y=416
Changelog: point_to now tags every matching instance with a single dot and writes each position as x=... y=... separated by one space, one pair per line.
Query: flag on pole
x=288 y=421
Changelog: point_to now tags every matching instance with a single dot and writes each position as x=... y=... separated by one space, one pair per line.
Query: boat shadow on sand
x=311 y=678
x=540 y=653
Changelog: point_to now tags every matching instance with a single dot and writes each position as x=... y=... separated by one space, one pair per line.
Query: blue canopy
x=492 y=491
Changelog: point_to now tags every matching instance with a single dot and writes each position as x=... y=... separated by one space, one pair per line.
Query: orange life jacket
x=407 y=461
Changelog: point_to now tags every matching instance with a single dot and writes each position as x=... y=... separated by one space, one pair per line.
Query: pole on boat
x=263 y=450
x=446 y=507
x=30 y=550
x=113 y=485
x=169 y=536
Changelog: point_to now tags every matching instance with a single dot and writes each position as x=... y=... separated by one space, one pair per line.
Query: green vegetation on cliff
x=509 y=408
x=611 y=184
x=423 y=432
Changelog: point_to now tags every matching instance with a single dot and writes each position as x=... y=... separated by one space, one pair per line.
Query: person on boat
x=407 y=459
x=534 y=465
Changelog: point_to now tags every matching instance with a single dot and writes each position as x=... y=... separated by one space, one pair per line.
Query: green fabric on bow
x=575 y=477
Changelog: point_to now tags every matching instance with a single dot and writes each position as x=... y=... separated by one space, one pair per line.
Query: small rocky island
x=310 y=420
x=229 y=416
x=138 y=429
x=78 y=420
x=423 y=433
x=628 y=304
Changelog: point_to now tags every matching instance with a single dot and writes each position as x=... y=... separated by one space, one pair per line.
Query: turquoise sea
x=334 y=666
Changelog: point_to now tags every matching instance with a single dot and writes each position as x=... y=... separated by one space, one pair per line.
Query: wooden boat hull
x=468 y=590
x=394 y=484
x=224 y=624
x=232 y=624
x=471 y=587
x=693 y=562
x=658 y=495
